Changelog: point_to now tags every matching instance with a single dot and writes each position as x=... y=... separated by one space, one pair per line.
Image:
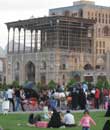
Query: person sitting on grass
x=107 y=115
x=86 y=120
x=69 y=120
x=33 y=119
x=55 y=120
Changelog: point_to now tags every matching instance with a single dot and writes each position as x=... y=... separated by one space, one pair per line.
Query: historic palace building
x=71 y=42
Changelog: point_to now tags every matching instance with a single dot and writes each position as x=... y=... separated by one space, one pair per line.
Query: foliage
x=71 y=82
x=51 y=85
x=102 y=83
x=39 y=85
x=15 y=84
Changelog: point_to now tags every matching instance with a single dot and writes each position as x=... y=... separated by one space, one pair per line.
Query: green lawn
x=12 y=121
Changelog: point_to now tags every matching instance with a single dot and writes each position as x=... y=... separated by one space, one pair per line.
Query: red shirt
x=97 y=93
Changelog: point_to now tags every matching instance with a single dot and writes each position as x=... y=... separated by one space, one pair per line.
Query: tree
x=71 y=82
x=102 y=83
x=51 y=85
x=15 y=84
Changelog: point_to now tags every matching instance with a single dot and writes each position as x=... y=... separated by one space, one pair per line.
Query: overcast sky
x=13 y=10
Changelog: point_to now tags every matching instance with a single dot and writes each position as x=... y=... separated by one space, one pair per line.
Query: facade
x=49 y=48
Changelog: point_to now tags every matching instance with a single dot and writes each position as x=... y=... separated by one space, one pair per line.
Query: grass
x=18 y=121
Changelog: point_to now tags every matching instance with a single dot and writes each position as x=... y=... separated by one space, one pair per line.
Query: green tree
x=70 y=83
x=15 y=84
x=51 y=85
x=102 y=83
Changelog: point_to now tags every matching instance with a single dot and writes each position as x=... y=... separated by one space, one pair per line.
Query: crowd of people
x=75 y=98
x=78 y=97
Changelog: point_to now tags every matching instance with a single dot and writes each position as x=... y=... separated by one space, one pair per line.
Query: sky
x=13 y=10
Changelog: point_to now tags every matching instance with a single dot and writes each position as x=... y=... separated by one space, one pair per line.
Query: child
x=86 y=120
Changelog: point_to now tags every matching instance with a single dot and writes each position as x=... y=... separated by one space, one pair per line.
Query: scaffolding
x=51 y=32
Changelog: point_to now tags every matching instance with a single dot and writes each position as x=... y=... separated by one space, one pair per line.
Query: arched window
x=106 y=31
x=30 y=71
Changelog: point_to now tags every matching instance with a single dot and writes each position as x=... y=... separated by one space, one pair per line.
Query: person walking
x=10 y=95
x=86 y=120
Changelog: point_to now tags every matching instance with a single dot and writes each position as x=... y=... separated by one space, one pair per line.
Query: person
x=82 y=99
x=107 y=123
x=22 y=98
x=97 y=97
x=107 y=114
x=86 y=120
x=17 y=95
x=55 y=120
x=69 y=120
x=33 y=119
x=10 y=95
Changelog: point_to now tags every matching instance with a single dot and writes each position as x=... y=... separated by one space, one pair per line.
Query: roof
x=39 y=22
x=77 y=7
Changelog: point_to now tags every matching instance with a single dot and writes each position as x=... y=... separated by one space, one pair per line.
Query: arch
x=30 y=71
x=106 y=31
x=88 y=67
x=100 y=61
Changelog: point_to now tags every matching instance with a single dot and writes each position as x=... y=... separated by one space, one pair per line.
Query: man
x=10 y=96
x=69 y=120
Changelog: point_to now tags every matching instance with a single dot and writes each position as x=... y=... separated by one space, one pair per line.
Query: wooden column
x=19 y=29
x=24 y=39
x=13 y=39
x=31 y=39
x=8 y=39
x=35 y=42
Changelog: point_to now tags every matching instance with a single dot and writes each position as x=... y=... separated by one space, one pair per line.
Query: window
x=88 y=15
x=66 y=13
x=99 y=17
x=99 y=31
x=96 y=16
x=103 y=44
x=103 y=18
x=103 y=51
x=106 y=18
x=100 y=44
x=75 y=60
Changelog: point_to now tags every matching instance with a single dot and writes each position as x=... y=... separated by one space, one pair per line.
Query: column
x=19 y=29
x=13 y=39
x=24 y=39
x=35 y=42
x=8 y=39
x=31 y=39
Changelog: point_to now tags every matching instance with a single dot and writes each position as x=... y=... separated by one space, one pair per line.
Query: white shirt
x=69 y=119
x=10 y=93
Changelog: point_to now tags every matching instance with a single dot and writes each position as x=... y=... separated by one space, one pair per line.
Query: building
x=101 y=14
x=49 y=48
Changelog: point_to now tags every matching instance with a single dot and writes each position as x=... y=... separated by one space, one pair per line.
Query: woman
x=55 y=120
